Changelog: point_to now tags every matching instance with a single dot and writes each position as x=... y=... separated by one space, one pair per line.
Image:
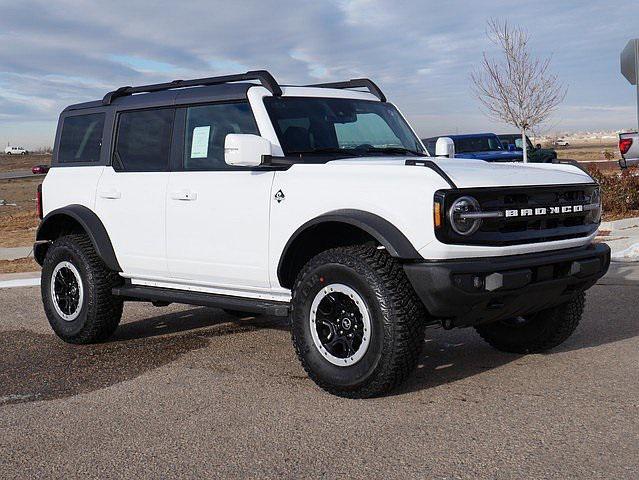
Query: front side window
x=81 y=138
x=143 y=141
x=206 y=129
x=316 y=126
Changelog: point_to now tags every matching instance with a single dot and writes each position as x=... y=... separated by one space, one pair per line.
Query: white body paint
x=225 y=232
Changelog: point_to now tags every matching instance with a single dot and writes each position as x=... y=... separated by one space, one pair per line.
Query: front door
x=218 y=215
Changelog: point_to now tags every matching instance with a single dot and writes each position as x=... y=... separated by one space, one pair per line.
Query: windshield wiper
x=398 y=150
x=319 y=151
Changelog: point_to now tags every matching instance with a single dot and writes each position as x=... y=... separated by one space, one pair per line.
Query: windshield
x=339 y=126
x=477 y=144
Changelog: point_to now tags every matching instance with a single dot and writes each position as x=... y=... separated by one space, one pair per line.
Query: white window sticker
x=200 y=143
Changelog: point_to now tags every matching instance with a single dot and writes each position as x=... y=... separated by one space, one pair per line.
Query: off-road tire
x=101 y=311
x=544 y=330
x=396 y=314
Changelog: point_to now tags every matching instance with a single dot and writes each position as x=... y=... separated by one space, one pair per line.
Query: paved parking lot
x=190 y=392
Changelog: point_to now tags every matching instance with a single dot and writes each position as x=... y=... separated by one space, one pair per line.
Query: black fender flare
x=89 y=222
x=387 y=234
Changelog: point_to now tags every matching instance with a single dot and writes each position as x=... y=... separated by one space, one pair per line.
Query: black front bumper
x=472 y=291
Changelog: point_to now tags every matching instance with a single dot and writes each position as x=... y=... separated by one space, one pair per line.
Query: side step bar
x=168 y=295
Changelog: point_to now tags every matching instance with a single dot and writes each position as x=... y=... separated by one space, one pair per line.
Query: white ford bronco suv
x=319 y=203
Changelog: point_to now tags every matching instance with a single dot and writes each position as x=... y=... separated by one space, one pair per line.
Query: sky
x=57 y=52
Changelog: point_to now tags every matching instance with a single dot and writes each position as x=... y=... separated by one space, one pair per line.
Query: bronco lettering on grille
x=541 y=211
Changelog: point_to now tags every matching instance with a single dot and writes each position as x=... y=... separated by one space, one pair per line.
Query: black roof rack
x=355 y=83
x=265 y=78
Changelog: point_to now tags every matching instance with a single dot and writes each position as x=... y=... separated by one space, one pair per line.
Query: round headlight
x=460 y=221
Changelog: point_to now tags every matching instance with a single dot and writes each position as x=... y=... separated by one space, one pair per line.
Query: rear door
x=131 y=195
x=217 y=215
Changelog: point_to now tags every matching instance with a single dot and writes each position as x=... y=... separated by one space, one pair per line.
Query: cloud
x=53 y=53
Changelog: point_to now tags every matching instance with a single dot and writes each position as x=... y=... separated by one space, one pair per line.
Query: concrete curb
x=14 y=253
x=13 y=280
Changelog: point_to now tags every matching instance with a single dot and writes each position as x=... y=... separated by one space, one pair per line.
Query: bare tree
x=516 y=88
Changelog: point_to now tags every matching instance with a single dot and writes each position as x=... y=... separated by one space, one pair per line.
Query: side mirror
x=538 y=146
x=245 y=150
x=445 y=147
x=512 y=147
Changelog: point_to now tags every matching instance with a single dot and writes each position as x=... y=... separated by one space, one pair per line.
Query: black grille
x=528 y=229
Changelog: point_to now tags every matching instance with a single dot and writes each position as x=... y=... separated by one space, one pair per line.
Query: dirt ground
x=19 y=265
x=18 y=223
x=10 y=163
x=589 y=150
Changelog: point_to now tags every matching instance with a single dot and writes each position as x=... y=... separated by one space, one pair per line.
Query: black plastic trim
x=355 y=83
x=531 y=282
x=89 y=222
x=380 y=229
x=170 y=295
x=433 y=166
x=264 y=77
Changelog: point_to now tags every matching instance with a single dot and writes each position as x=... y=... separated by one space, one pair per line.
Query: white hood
x=476 y=173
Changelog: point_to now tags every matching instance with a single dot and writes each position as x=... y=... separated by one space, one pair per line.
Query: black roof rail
x=355 y=83
x=265 y=78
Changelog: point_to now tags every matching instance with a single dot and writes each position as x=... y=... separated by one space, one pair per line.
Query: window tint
x=206 y=129
x=144 y=140
x=309 y=125
x=81 y=138
x=365 y=127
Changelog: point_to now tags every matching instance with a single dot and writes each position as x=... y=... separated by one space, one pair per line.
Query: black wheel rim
x=66 y=291
x=340 y=324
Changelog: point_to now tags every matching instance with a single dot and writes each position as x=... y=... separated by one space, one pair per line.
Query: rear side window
x=206 y=129
x=143 y=141
x=81 y=138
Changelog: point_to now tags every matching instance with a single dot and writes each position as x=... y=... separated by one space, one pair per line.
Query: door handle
x=111 y=193
x=185 y=195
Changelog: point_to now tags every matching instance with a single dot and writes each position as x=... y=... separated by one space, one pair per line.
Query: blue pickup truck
x=482 y=146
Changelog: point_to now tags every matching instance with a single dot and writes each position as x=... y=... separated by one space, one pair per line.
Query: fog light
x=478 y=282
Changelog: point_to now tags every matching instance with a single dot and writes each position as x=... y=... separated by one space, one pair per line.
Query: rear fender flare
x=89 y=222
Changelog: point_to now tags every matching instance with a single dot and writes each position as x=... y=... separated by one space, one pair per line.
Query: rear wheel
x=535 y=333
x=357 y=324
x=76 y=291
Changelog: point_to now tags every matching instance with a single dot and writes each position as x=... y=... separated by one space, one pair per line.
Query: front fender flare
x=387 y=234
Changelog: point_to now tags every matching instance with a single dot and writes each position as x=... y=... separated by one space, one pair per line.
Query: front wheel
x=535 y=333
x=357 y=324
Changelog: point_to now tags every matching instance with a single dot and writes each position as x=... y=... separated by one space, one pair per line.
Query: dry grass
x=18 y=223
x=18 y=266
x=10 y=163
x=18 y=229
x=22 y=192
x=589 y=150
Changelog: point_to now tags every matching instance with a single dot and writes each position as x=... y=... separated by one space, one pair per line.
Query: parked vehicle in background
x=40 y=169
x=15 y=151
x=481 y=146
x=561 y=143
x=314 y=202
x=629 y=149
x=536 y=154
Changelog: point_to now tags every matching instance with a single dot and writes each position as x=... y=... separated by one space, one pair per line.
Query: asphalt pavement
x=186 y=392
